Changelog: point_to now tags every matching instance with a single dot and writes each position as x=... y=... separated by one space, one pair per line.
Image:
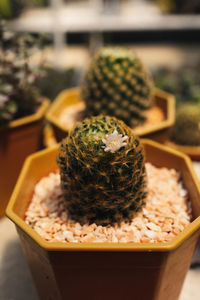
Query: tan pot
x=157 y=132
x=17 y=140
x=108 y=271
x=192 y=151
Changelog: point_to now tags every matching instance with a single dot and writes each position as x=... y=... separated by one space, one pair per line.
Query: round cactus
x=186 y=130
x=117 y=84
x=102 y=171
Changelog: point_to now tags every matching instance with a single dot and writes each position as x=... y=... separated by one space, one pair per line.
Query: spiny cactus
x=102 y=171
x=186 y=130
x=117 y=84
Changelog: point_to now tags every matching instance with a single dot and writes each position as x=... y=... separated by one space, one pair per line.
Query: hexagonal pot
x=153 y=271
x=19 y=138
x=192 y=151
x=157 y=132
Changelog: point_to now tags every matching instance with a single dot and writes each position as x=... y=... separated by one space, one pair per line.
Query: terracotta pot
x=153 y=271
x=17 y=140
x=157 y=132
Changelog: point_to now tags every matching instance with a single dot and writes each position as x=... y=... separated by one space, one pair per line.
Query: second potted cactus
x=185 y=133
x=116 y=84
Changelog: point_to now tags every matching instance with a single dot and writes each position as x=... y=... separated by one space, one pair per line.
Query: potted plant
x=21 y=109
x=103 y=179
x=184 y=135
x=115 y=84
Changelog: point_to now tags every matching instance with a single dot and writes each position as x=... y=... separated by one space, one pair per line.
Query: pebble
x=166 y=213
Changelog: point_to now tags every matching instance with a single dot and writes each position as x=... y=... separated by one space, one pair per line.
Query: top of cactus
x=116 y=52
x=111 y=137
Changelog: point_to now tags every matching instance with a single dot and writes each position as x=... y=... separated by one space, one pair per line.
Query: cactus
x=117 y=84
x=186 y=130
x=102 y=171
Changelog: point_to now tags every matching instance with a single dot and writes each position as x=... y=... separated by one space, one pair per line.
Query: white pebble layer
x=165 y=214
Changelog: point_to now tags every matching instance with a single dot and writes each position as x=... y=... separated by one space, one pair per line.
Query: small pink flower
x=114 y=141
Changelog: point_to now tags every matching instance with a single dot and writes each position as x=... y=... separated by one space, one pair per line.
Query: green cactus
x=117 y=84
x=102 y=171
x=186 y=130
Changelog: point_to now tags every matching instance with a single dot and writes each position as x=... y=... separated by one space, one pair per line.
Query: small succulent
x=18 y=95
x=186 y=130
x=102 y=171
x=117 y=84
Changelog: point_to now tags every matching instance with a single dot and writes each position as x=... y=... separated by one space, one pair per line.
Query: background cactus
x=102 y=171
x=183 y=81
x=186 y=130
x=117 y=84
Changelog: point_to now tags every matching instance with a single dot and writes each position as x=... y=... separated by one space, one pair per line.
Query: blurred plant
x=183 y=82
x=186 y=130
x=117 y=84
x=41 y=3
x=18 y=95
x=179 y=6
x=11 y=8
x=55 y=80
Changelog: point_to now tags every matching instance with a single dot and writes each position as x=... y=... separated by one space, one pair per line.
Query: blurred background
x=164 y=33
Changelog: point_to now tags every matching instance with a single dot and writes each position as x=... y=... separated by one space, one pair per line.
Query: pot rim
x=120 y=247
x=170 y=116
x=192 y=151
x=30 y=118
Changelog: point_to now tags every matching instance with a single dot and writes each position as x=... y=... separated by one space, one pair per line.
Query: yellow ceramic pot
x=17 y=140
x=70 y=97
x=106 y=270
